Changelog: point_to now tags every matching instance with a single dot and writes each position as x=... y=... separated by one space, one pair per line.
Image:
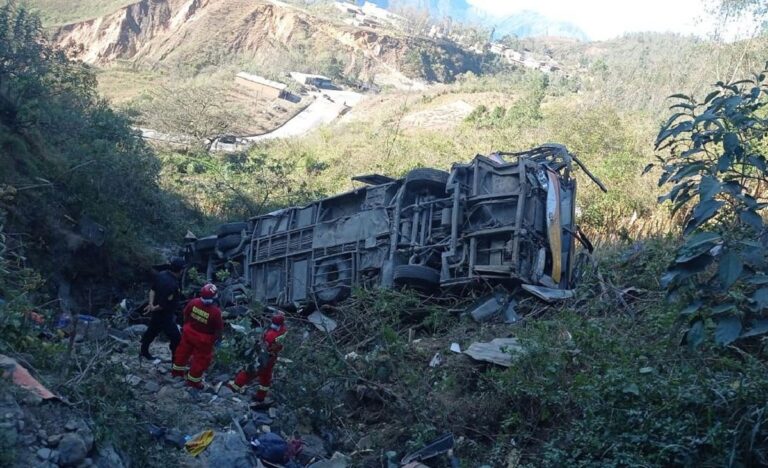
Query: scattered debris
x=175 y=438
x=487 y=306
x=322 y=322
x=135 y=330
x=437 y=359
x=499 y=351
x=442 y=444
x=132 y=380
x=151 y=386
x=23 y=378
x=314 y=447
x=338 y=460
x=199 y=442
x=549 y=294
x=271 y=447
x=455 y=348
x=155 y=431
x=510 y=312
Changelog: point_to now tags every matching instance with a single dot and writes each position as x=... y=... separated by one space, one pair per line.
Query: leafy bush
x=714 y=160
x=68 y=156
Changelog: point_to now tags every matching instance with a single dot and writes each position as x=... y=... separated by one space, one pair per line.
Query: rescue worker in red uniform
x=270 y=346
x=203 y=326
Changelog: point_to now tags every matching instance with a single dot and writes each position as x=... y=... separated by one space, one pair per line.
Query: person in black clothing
x=164 y=297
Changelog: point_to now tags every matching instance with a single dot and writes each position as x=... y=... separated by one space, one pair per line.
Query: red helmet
x=209 y=291
x=278 y=318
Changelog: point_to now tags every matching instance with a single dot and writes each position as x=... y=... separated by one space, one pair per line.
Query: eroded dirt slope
x=201 y=33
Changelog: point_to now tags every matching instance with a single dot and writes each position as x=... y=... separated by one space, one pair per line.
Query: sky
x=605 y=19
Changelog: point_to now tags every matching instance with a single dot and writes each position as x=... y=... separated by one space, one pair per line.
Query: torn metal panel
x=487 y=307
x=322 y=322
x=373 y=179
x=549 y=294
x=510 y=312
x=499 y=351
x=441 y=445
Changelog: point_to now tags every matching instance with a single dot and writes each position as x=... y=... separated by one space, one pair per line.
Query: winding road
x=327 y=107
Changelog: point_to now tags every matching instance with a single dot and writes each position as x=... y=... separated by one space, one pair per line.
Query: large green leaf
x=691 y=308
x=709 y=187
x=711 y=96
x=722 y=308
x=731 y=103
x=752 y=219
x=761 y=298
x=731 y=143
x=688 y=170
x=683 y=271
x=689 y=253
x=680 y=96
x=724 y=163
x=702 y=238
x=758 y=161
x=727 y=330
x=733 y=187
x=758 y=279
x=702 y=213
x=756 y=327
x=648 y=168
x=730 y=269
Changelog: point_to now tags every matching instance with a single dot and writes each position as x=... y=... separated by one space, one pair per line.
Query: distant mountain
x=525 y=23
x=529 y=23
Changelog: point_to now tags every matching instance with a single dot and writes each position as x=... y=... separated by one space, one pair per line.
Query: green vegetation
x=714 y=157
x=69 y=157
x=603 y=381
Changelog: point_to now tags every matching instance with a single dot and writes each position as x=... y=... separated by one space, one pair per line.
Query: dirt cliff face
x=200 y=33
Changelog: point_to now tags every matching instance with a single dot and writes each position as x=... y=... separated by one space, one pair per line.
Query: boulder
x=151 y=386
x=72 y=450
x=230 y=450
x=44 y=453
x=108 y=457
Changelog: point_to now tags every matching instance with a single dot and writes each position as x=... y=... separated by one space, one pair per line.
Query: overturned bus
x=505 y=218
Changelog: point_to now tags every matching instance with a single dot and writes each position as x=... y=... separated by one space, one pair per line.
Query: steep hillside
x=195 y=34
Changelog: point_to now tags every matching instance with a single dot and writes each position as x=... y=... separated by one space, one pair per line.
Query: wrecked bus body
x=507 y=218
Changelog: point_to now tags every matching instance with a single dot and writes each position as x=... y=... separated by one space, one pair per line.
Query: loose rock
x=229 y=449
x=72 y=450
x=53 y=440
x=44 y=453
x=175 y=438
x=151 y=386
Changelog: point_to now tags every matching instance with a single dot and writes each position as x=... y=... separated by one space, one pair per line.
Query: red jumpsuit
x=202 y=327
x=272 y=343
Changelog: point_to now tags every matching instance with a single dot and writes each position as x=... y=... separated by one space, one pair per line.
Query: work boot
x=231 y=385
x=144 y=354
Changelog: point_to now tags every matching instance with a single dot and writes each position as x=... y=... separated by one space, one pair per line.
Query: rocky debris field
x=371 y=382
